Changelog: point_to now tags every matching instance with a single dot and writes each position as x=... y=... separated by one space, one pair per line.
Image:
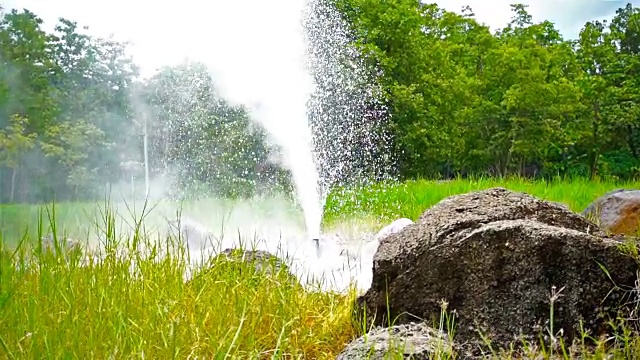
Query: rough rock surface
x=617 y=211
x=235 y=260
x=413 y=340
x=562 y=205
x=261 y=260
x=494 y=256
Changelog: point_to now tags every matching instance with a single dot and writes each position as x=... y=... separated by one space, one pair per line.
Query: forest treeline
x=522 y=100
x=461 y=100
x=73 y=114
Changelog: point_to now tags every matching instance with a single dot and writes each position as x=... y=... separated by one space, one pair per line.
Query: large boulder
x=413 y=340
x=562 y=205
x=495 y=256
x=617 y=211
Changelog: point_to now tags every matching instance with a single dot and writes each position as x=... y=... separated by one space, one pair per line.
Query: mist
x=230 y=154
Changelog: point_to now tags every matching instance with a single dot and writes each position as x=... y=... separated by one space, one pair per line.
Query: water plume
x=262 y=65
x=347 y=112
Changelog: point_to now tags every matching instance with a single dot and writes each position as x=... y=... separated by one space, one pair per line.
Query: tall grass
x=131 y=304
x=136 y=304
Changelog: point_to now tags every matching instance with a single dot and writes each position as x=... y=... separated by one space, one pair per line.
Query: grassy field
x=377 y=204
x=58 y=309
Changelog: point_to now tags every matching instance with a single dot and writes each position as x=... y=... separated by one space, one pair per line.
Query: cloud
x=569 y=16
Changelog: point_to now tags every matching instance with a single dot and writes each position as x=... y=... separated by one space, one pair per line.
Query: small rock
x=617 y=211
x=261 y=261
x=392 y=228
x=412 y=340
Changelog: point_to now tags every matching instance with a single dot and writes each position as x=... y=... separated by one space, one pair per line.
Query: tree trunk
x=13 y=184
x=631 y=141
x=595 y=146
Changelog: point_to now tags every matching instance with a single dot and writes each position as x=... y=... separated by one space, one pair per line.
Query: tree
x=94 y=85
x=26 y=69
x=72 y=144
x=625 y=33
x=597 y=54
x=61 y=79
x=198 y=136
x=522 y=100
x=14 y=142
x=399 y=82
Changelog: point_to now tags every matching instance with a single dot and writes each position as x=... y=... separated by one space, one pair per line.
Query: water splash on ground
x=272 y=224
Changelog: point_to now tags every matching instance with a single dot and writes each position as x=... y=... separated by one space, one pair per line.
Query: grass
x=409 y=199
x=55 y=308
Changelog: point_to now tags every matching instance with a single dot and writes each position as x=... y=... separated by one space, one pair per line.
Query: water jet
x=316 y=242
x=313 y=95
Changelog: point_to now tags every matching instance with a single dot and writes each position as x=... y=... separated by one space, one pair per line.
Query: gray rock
x=562 y=205
x=394 y=227
x=413 y=340
x=471 y=209
x=64 y=244
x=261 y=261
x=494 y=256
x=617 y=211
x=591 y=209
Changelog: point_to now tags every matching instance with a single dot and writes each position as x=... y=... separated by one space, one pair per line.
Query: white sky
x=164 y=34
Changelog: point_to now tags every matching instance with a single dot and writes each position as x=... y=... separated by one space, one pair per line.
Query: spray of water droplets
x=346 y=112
x=293 y=67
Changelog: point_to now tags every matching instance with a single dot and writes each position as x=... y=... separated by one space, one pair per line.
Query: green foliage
x=13 y=143
x=390 y=201
x=73 y=90
x=198 y=136
x=65 y=304
x=71 y=144
x=88 y=113
x=462 y=101
x=522 y=100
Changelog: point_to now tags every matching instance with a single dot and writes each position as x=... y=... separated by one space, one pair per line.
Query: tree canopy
x=73 y=114
x=458 y=99
x=521 y=100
